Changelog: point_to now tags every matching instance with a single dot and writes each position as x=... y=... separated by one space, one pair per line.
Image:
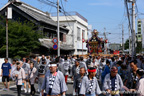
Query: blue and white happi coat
x=107 y=83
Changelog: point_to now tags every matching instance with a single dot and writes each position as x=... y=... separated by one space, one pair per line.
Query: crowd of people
x=91 y=75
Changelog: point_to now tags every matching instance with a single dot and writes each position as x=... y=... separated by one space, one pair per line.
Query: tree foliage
x=126 y=45
x=22 y=38
x=138 y=47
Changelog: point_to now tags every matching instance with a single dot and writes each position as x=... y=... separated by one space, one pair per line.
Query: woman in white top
x=19 y=76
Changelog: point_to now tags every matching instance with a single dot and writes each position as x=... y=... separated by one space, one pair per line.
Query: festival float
x=95 y=44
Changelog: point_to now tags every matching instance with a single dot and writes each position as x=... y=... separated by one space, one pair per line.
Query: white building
x=90 y=31
x=77 y=25
x=140 y=31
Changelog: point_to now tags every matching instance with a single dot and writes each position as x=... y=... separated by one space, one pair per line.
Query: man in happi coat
x=78 y=81
x=76 y=68
x=54 y=82
x=112 y=83
x=89 y=85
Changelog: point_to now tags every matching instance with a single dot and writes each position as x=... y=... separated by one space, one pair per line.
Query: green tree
x=126 y=45
x=23 y=39
x=138 y=47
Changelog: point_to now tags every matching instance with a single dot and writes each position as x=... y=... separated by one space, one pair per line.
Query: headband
x=52 y=65
x=93 y=70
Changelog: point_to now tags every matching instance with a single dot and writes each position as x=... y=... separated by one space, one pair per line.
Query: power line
x=47 y=3
x=128 y=15
x=137 y=10
x=65 y=14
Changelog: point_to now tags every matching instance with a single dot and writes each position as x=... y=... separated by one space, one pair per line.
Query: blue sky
x=109 y=14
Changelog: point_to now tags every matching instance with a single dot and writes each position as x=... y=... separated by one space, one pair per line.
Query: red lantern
x=106 y=41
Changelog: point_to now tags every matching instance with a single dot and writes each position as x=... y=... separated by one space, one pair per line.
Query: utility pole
x=130 y=41
x=133 y=29
x=122 y=38
x=82 y=43
x=7 y=34
x=58 y=33
x=105 y=51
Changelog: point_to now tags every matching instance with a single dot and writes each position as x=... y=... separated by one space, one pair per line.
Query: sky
x=108 y=14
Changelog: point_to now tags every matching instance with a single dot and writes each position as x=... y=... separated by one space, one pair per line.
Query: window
x=139 y=21
x=83 y=31
x=139 y=36
x=61 y=36
x=139 y=29
x=78 y=34
x=139 y=32
x=139 y=25
x=54 y=35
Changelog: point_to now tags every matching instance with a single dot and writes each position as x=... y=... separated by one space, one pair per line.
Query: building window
x=139 y=22
x=83 y=31
x=139 y=25
x=54 y=35
x=139 y=32
x=61 y=36
x=139 y=29
x=78 y=34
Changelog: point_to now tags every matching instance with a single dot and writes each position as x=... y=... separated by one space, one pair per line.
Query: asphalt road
x=13 y=90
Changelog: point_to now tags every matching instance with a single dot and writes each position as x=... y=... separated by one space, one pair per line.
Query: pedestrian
x=112 y=82
x=60 y=67
x=132 y=77
x=43 y=59
x=94 y=63
x=48 y=59
x=89 y=60
x=19 y=75
x=13 y=67
x=32 y=75
x=54 y=82
x=143 y=64
x=24 y=60
x=75 y=69
x=106 y=71
x=78 y=81
x=140 y=87
x=66 y=66
x=34 y=60
x=118 y=64
x=124 y=74
x=5 y=73
x=83 y=63
x=89 y=85
x=42 y=69
x=26 y=67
